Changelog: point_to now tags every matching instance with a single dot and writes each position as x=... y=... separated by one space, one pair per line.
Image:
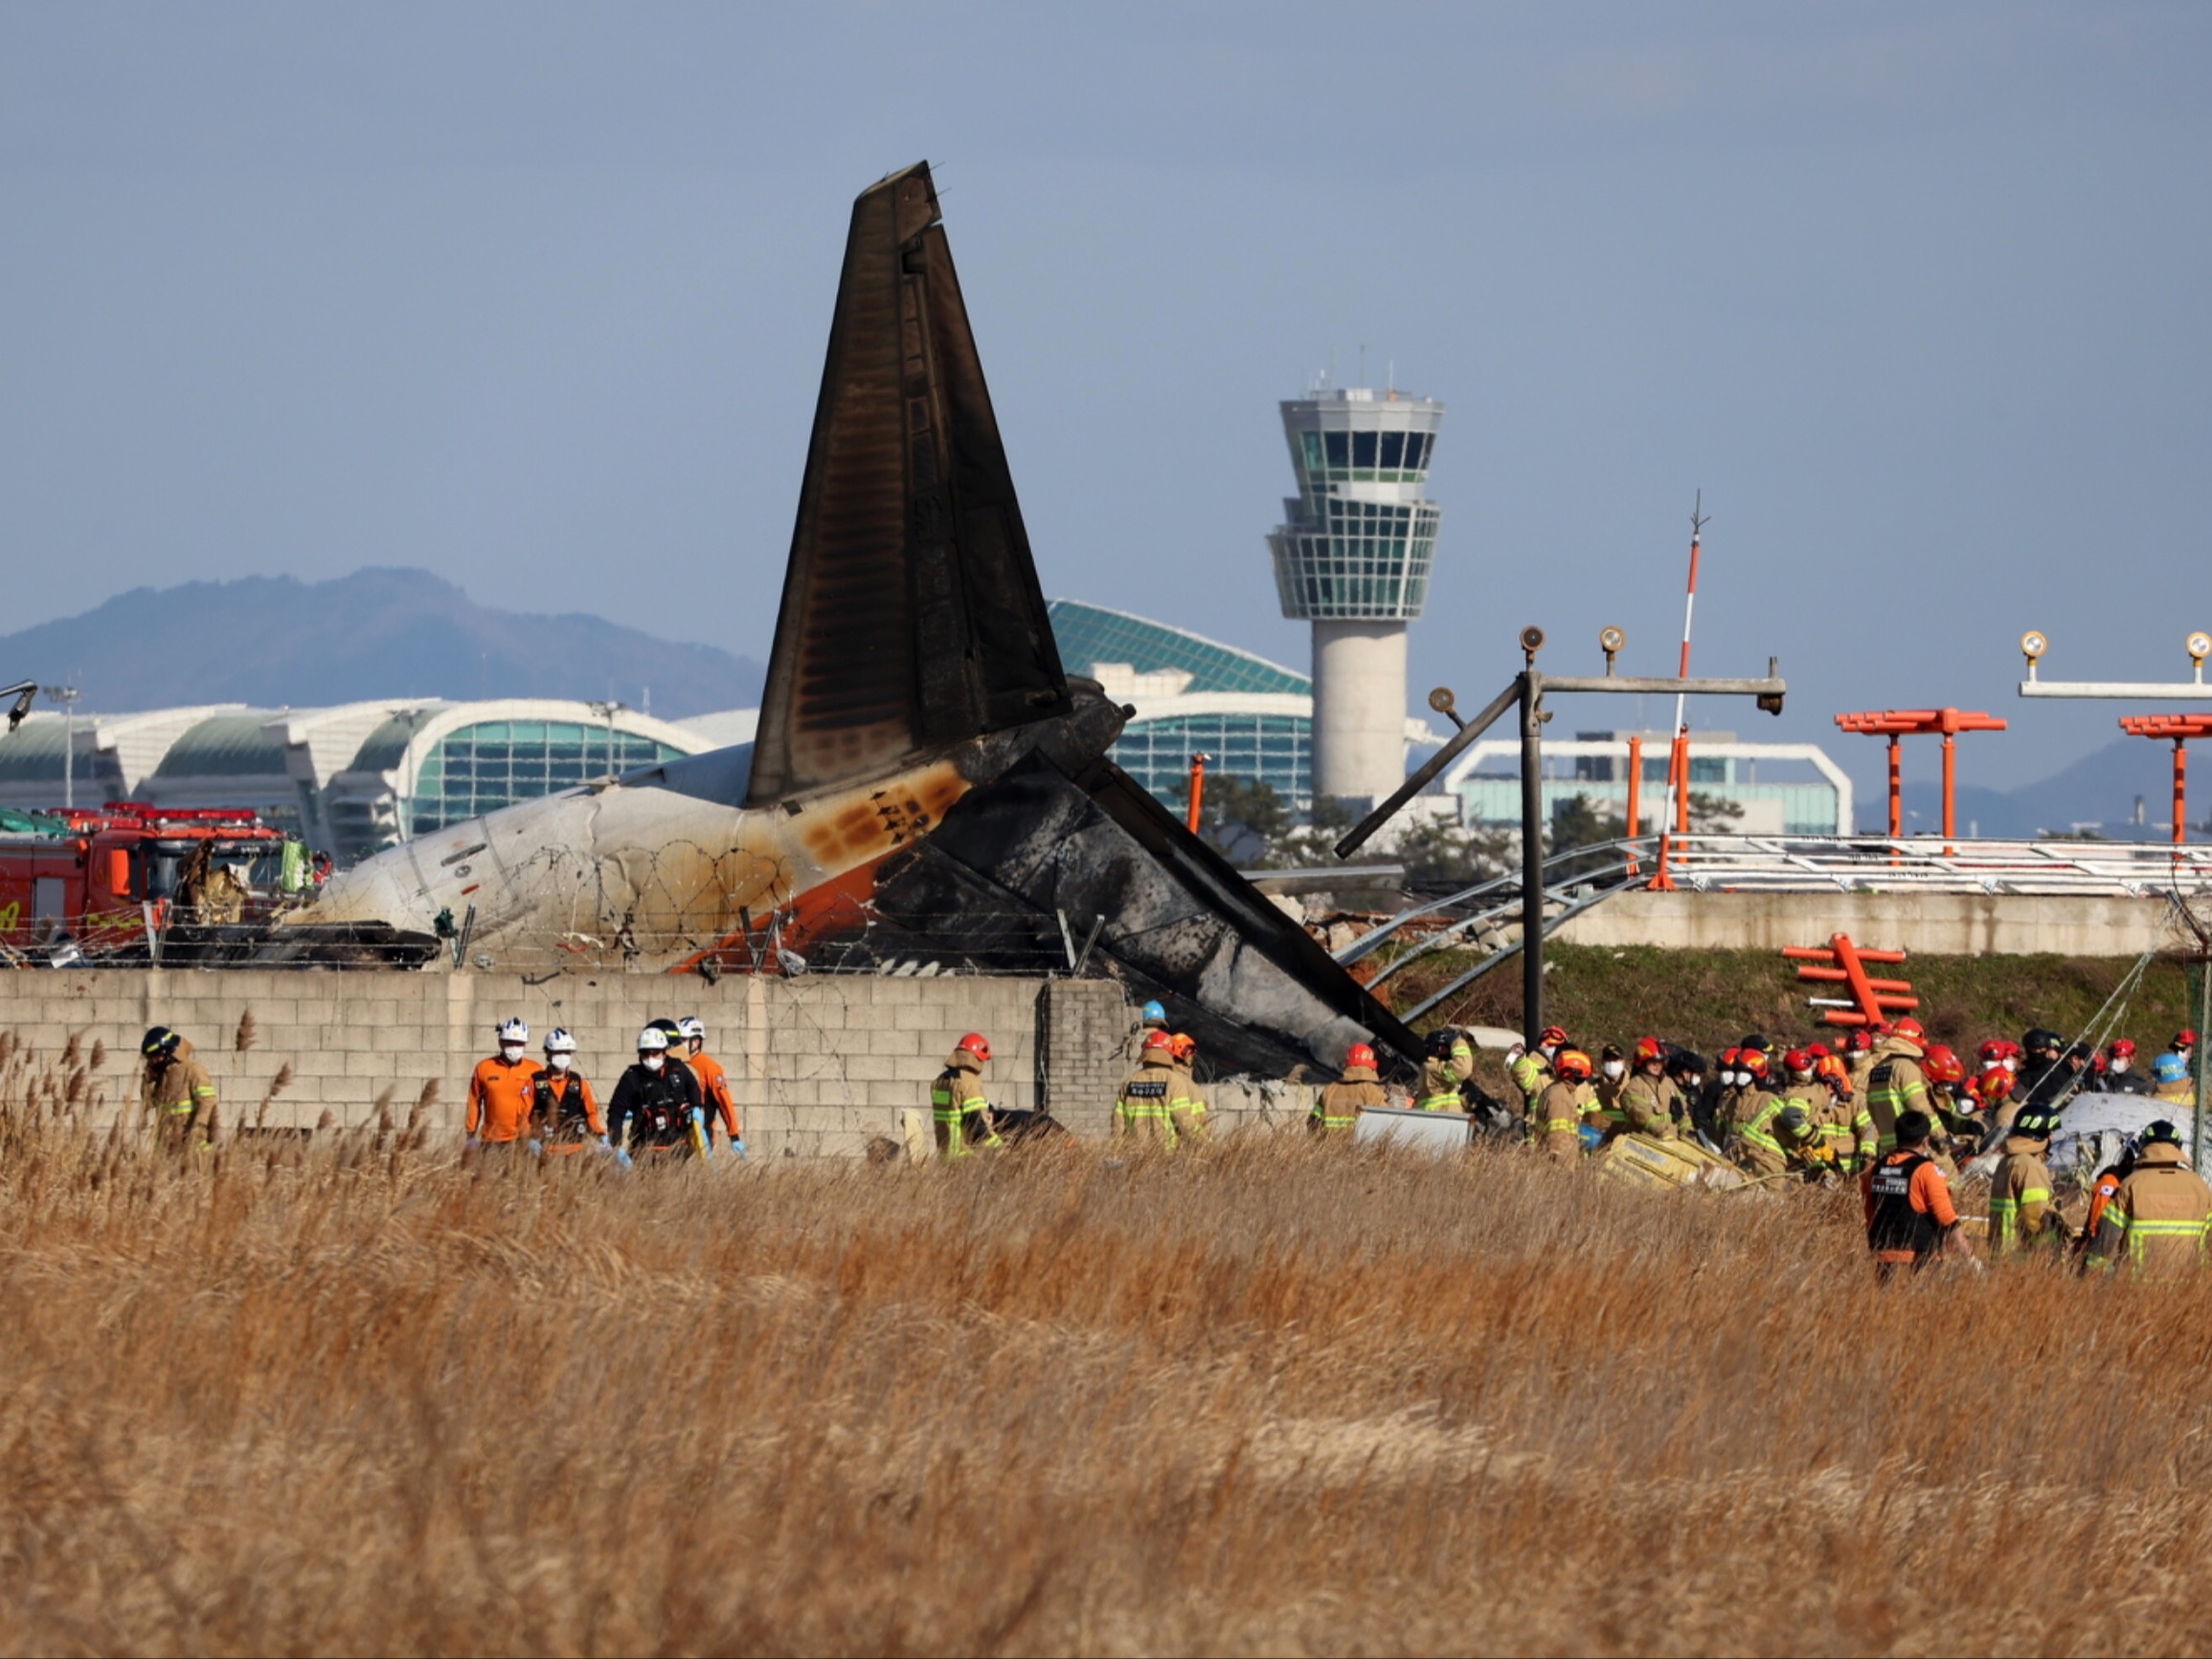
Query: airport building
x=351 y=779
x=1353 y=557
x=1779 y=789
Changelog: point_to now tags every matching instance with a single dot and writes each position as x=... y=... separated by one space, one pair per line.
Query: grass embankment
x=1709 y=999
x=332 y=1396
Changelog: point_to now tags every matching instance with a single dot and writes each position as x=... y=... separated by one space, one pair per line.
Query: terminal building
x=352 y=779
x=1777 y=788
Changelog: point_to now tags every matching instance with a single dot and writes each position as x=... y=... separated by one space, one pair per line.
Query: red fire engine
x=110 y=880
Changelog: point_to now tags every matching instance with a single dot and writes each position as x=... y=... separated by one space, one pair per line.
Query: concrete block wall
x=820 y=1065
x=1932 y=924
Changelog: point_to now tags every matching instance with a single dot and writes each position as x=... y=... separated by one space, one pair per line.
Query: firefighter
x=1649 y=1103
x=1910 y=1221
x=962 y=1115
x=2120 y=1074
x=2157 y=1220
x=713 y=1083
x=1560 y=1108
x=1994 y=1090
x=1848 y=1127
x=1895 y=1083
x=1955 y=1114
x=1774 y=1132
x=1152 y=1016
x=1604 y=1113
x=1531 y=1071
x=1818 y=1148
x=500 y=1093
x=1152 y=1097
x=1440 y=1075
x=178 y=1092
x=2170 y=1080
x=564 y=1116
x=1461 y=1055
x=656 y=1105
x=1186 y=1108
x=2184 y=1044
x=1336 y=1108
x=2021 y=1217
x=1859 y=1061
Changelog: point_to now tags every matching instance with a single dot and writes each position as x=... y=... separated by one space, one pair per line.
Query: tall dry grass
x=341 y=1394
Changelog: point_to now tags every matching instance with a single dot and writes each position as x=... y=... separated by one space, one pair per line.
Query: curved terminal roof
x=226 y=746
x=1090 y=634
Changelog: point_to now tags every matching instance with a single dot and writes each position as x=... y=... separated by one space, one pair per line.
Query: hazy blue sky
x=537 y=295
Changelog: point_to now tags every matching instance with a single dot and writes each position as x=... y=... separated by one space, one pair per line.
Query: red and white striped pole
x=1678 y=761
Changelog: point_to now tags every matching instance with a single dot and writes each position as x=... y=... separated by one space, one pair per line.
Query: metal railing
x=1928 y=864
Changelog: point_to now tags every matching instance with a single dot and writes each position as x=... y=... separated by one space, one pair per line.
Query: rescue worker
x=2120 y=1074
x=1910 y=1221
x=1559 y=1109
x=1440 y=1077
x=713 y=1083
x=1858 y=1061
x=1531 y=1072
x=1728 y=1090
x=178 y=1092
x=2184 y=1044
x=1686 y=1069
x=2171 y=1082
x=1147 y=1108
x=1649 y=1103
x=1848 y=1127
x=564 y=1116
x=2050 y=1068
x=2021 y=1216
x=1895 y=1084
x=1954 y=1115
x=1336 y=1108
x=958 y=1112
x=656 y=1105
x=1463 y=1055
x=1829 y=1145
x=1994 y=1089
x=499 y=1091
x=1186 y=1106
x=1772 y=1133
x=1605 y=1112
x=2156 y=1222
x=1152 y=1016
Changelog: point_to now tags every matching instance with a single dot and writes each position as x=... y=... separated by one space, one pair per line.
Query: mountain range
x=277 y=643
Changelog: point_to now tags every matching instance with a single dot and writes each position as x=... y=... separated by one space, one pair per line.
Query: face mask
x=561 y=1061
x=1692 y=1080
x=1613 y=1068
x=2120 y=1065
x=651 y=1061
x=511 y=1052
x=2010 y=1064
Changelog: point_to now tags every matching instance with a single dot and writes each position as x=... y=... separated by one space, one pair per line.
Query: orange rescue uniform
x=500 y=1097
x=715 y=1089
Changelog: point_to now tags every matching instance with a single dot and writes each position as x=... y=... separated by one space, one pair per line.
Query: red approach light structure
x=1839 y=962
x=2181 y=728
x=1898 y=724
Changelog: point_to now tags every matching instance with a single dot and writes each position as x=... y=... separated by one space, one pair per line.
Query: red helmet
x=1818 y=1050
x=1859 y=1042
x=1572 y=1062
x=1752 y=1061
x=1157 y=1037
x=1649 y=1048
x=2119 y=1047
x=1911 y=1029
x=1183 y=1044
x=1991 y=1051
x=976 y=1043
x=1552 y=1035
x=1799 y=1060
x=2184 y=1038
x=1882 y=1028
x=1941 y=1064
x=1994 y=1085
x=1359 y=1054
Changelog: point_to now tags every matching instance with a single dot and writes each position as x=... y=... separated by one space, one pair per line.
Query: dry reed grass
x=345 y=1395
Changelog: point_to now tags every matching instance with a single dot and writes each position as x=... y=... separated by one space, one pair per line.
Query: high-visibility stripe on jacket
x=1440 y=1087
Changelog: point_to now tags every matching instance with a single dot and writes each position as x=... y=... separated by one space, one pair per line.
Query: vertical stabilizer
x=908 y=551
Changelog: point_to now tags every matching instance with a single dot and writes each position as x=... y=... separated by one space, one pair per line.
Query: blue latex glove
x=537 y=1148
x=738 y=1148
x=623 y=1157
x=470 y=1144
x=602 y=1147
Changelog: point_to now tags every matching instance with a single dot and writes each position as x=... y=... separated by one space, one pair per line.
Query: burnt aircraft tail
x=912 y=618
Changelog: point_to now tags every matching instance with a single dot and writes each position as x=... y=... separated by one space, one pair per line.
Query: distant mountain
x=2100 y=789
x=275 y=641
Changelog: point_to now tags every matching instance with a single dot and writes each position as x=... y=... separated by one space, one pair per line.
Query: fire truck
x=132 y=878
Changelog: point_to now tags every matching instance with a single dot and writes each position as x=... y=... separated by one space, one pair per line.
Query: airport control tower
x=1353 y=558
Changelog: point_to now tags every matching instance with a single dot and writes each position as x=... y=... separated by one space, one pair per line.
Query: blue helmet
x=1152 y=1014
x=2170 y=1069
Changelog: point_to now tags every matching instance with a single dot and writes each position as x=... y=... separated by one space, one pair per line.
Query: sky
x=536 y=295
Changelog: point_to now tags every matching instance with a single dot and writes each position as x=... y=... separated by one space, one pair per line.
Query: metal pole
x=1950 y=781
x=1197 y=791
x=1896 y=787
x=1635 y=795
x=2180 y=790
x=1531 y=858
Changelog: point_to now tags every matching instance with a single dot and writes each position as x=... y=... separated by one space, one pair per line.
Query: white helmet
x=652 y=1041
x=691 y=1028
x=557 y=1041
x=514 y=1031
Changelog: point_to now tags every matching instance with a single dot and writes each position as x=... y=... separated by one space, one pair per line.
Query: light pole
x=607 y=712
x=1528 y=690
x=66 y=696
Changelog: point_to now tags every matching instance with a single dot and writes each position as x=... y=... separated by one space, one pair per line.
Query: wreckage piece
x=922 y=761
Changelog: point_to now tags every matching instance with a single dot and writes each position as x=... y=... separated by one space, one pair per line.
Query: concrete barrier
x=1933 y=923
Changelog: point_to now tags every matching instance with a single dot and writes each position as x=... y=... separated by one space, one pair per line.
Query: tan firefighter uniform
x=2021 y=1215
x=1338 y=1106
x=180 y=1097
x=2156 y=1222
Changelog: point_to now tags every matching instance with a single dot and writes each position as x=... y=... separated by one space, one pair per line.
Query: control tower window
x=1416 y=451
x=1394 y=450
x=1340 y=446
x=1363 y=449
x=1313 y=450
